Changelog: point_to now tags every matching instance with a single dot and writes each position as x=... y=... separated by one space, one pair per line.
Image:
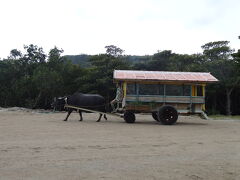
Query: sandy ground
x=39 y=145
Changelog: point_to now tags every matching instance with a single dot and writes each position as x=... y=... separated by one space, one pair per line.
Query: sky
x=140 y=27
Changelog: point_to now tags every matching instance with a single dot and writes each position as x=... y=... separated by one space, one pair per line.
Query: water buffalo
x=87 y=101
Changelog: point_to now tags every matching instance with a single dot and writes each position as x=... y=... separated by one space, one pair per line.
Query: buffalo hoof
x=98 y=121
x=64 y=120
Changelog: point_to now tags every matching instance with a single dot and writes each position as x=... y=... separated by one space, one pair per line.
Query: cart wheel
x=167 y=115
x=155 y=116
x=129 y=117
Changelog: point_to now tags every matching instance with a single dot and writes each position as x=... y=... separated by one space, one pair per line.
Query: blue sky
x=139 y=27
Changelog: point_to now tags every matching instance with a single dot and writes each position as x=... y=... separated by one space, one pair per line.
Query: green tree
x=34 y=54
x=223 y=67
x=54 y=56
x=15 y=54
x=114 y=50
x=31 y=58
x=160 y=61
x=186 y=63
x=47 y=84
x=99 y=78
x=236 y=57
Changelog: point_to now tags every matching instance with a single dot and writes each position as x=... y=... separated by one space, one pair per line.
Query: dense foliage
x=32 y=78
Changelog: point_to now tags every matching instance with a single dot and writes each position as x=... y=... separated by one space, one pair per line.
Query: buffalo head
x=58 y=103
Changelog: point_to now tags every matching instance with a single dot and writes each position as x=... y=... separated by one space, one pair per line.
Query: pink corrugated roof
x=203 y=77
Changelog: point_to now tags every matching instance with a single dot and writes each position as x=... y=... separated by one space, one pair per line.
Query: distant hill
x=138 y=59
x=83 y=59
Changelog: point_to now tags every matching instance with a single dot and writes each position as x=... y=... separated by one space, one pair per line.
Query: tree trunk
x=228 y=103
x=214 y=107
x=46 y=103
x=37 y=100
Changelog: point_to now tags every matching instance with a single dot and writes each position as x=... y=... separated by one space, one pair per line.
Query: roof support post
x=191 y=94
x=203 y=93
x=137 y=88
x=164 y=93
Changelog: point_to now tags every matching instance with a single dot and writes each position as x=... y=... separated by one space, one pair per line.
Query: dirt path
x=42 y=146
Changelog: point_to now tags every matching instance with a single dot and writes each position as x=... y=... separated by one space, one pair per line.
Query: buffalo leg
x=99 y=119
x=80 y=114
x=69 y=112
x=105 y=117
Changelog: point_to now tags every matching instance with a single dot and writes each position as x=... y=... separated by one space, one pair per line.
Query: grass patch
x=224 y=117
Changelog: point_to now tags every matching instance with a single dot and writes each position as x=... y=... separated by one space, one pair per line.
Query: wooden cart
x=163 y=94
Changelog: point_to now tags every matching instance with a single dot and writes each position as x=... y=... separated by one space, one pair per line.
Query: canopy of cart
x=164 y=76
